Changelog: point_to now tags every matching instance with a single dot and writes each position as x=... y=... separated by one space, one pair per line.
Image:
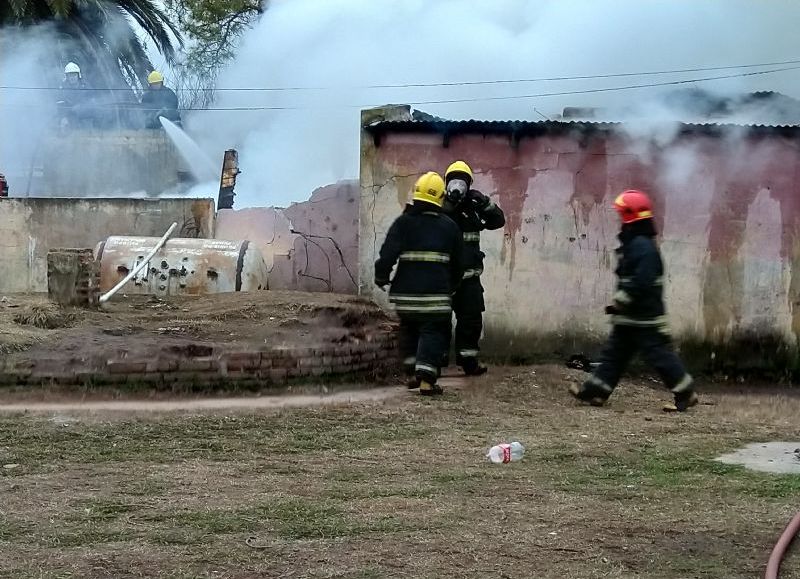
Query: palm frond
x=155 y=23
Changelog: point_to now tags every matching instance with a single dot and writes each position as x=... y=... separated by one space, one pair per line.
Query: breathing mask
x=456 y=191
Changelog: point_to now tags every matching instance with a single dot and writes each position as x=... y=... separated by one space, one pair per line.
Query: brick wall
x=213 y=367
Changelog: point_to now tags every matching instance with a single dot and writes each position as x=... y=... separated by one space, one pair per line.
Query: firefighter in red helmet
x=637 y=313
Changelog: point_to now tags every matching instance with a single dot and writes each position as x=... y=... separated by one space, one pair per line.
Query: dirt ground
x=140 y=326
x=398 y=486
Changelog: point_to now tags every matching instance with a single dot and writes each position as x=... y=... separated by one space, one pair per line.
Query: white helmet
x=72 y=68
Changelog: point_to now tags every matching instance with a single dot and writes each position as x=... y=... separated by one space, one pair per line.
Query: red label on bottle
x=506 y=453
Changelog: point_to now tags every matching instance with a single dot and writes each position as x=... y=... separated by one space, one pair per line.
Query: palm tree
x=99 y=35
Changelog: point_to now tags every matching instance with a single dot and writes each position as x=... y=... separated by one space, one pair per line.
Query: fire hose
x=779 y=551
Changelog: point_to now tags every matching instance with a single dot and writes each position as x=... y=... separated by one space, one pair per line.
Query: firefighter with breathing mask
x=473 y=212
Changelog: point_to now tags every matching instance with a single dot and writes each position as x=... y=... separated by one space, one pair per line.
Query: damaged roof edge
x=518 y=129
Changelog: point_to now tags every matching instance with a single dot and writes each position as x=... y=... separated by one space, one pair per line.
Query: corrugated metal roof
x=516 y=129
x=511 y=124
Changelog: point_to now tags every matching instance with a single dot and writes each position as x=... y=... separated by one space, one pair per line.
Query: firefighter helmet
x=155 y=77
x=459 y=168
x=633 y=205
x=430 y=189
x=72 y=68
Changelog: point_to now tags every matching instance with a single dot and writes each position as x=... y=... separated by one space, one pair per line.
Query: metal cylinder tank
x=182 y=266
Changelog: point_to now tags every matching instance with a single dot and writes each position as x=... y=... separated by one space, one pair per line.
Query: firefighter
x=473 y=212
x=637 y=314
x=73 y=99
x=427 y=247
x=159 y=101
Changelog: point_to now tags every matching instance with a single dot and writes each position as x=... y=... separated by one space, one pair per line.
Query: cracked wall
x=322 y=254
x=727 y=207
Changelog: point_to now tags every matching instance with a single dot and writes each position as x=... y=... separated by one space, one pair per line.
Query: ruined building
x=728 y=207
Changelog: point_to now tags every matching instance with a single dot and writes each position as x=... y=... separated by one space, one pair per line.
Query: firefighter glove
x=478 y=199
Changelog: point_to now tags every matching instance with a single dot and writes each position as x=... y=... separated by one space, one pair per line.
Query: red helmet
x=633 y=205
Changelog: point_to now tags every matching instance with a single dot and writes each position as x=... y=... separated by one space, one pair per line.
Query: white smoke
x=25 y=61
x=285 y=154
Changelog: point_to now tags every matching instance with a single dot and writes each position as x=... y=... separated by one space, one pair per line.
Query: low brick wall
x=207 y=366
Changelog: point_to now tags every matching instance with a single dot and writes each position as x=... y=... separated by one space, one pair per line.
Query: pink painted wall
x=328 y=222
x=728 y=207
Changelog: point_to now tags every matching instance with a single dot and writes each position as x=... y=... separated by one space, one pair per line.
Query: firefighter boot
x=412 y=382
x=683 y=402
x=429 y=388
x=591 y=392
x=472 y=367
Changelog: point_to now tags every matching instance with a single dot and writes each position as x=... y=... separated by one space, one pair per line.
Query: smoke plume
x=336 y=46
x=25 y=61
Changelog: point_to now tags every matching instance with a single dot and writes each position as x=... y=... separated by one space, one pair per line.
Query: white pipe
x=110 y=293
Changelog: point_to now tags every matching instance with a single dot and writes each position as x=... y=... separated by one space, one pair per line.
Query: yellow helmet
x=155 y=77
x=430 y=189
x=458 y=167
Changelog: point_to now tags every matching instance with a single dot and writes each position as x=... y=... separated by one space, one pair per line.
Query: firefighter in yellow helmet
x=473 y=212
x=159 y=101
x=427 y=247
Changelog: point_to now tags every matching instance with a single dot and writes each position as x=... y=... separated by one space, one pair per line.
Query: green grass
x=397 y=490
x=201 y=438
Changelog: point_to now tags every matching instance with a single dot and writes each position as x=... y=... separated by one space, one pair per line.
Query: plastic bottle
x=503 y=453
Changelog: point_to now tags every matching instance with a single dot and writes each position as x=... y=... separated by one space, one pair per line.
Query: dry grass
x=13 y=337
x=400 y=489
x=46 y=316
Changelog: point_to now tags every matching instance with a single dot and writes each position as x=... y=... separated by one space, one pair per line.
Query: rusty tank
x=182 y=266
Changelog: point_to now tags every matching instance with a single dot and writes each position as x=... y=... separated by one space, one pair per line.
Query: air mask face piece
x=456 y=191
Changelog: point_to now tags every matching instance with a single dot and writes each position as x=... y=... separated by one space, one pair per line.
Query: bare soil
x=399 y=487
x=139 y=327
x=23 y=404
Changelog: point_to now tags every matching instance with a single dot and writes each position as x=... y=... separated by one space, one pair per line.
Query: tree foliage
x=213 y=28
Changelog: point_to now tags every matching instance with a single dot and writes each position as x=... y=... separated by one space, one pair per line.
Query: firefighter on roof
x=159 y=101
x=638 y=313
x=427 y=247
x=473 y=212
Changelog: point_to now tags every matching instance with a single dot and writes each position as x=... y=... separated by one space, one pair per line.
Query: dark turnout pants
x=655 y=346
x=468 y=306
x=424 y=339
